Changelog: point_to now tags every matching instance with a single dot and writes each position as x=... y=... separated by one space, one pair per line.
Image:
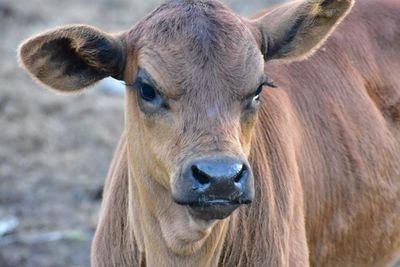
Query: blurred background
x=55 y=150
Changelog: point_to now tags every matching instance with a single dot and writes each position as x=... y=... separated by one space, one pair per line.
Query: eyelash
x=268 y=83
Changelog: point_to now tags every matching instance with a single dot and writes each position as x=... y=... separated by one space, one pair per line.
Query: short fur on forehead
x=198 y=44
x=204 y=27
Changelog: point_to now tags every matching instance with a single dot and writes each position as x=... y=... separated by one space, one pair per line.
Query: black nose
x=220 y=180
x=213 y=187
x=209 y=172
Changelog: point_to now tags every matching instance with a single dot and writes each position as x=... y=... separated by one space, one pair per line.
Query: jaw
x=186 y=233
x=194 y=226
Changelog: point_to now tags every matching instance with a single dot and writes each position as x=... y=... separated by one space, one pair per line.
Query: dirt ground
x=55 y=149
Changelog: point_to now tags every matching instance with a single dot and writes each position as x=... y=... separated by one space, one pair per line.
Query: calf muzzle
x=214 y=187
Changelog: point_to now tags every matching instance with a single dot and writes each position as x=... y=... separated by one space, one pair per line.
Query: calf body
x=347 y=155
x=323 y=147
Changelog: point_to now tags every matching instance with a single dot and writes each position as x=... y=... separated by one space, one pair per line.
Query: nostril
x=240 y=174
x=200 y=176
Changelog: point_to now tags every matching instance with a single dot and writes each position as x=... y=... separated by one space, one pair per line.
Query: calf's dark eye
x=257 y=93
x=259 y=89
x=147 y=92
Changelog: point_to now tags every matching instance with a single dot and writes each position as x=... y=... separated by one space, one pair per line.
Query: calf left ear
x=293 y=31
x=72 y=57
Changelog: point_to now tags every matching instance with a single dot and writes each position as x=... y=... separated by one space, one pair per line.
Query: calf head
x=194 y=73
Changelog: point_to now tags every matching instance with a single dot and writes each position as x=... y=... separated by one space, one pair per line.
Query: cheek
x=159 y=146
x=247 y=123
x=150 y=139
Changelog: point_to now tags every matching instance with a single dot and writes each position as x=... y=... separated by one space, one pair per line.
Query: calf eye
x=149 y=99
x=257 y=93
x=147 y=92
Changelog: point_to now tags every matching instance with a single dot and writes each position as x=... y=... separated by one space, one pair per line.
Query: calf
x=318 y=157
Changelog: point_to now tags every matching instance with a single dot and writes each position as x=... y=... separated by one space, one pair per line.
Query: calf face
x=194 y=73
x=196 y=96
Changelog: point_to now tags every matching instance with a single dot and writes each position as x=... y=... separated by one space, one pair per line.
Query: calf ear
x=72 y=57
x=293 y=31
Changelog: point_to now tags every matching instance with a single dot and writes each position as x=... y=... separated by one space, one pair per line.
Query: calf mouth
x=217 y=209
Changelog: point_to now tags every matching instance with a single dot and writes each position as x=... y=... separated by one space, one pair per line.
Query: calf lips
x=212 y=211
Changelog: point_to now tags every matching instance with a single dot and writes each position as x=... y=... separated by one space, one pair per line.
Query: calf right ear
x=72 y=57
x=295 y=30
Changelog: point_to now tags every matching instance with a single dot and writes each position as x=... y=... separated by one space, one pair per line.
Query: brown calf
x=318 y=157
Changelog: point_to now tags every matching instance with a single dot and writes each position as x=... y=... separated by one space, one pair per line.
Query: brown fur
x=56 y=57
x=324 y=147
